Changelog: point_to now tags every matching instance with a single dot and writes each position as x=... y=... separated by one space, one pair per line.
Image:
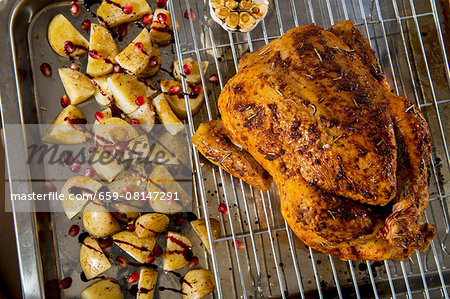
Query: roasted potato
x=198 y=283
x=162 y=27
x=98 y=221
x=103 y=50
x=176 y=100
x=64 y=39
x=106 y=166
x=165 y=114
x=154 y=64
x=139 y=248
x=114 y=130
x=112 y=14
x=144 y=116
x=103 y=94
x=151 y=225
x=199 y=227
x=147 y=281
x=136 y=56
x=178 y=252
x=191 y=70
x=92 y=258
x=82 y=185
x=77 y=85
x=105 y=288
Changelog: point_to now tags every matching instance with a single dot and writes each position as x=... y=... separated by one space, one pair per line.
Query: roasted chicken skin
x=348 y=156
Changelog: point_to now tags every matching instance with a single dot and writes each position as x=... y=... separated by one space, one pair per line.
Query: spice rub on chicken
x=348 y=156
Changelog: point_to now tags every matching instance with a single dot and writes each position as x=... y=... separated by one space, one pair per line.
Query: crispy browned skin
x=212 y=141
x=322 y=121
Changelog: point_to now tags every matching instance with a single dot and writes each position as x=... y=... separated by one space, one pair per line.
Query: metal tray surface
x=407 y=38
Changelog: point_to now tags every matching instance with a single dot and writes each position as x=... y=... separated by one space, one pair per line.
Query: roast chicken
x=348 y=156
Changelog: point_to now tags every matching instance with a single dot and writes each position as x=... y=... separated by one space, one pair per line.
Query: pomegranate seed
x=46 y=69
x=162 y=18
x=140 y=100
x=99 y=116
x=126 y=190
x=91 y=149
x=214 y=79
x=151 y=258
x=121 y=261
x=135 y=121
x=76 y=166
x=223 y=208
x=157 y=251
x=128 y=8
x=197 y=90
x=194 y=262
x=187 y=69
x=95 y=54
x=68 y=47
x=138 y=47
x=122 y=30
x=121 y=146
x=133 y=277
x=147 y=19
x=106 y=243
x=74 y=66
x=117 y=69
x=239 y=245
x=86 y=25
x=161 y=3
x=74 y=9
x=179 y=219
x=131 y=227
x=65 y=283
x=109 y=148
x=153 y=61
x=74 y=230
x=174 y=90
x=65 y=101
x=49 y=187
x=90 y=172
x=67 y=157
x=186 y=14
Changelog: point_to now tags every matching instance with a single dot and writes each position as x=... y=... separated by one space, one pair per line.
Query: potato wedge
x=178 y=252
x=126 y=88
x=102 y=51
x=77 y=85
x=69 y=127
x=78 y=186
x=64 y=39
x=113 y=13
x=193 y=74
x=98 y=221
x=146 y=285
x=114 y=130
x=139 y=248
x=198 y=283
x=144 y=115
x=154 y=64
x=162 y=27
x=138 y=148
x=151 y=225
x=92 y=258
x=106 y=166
x=176 y=101
x=103 y=94
x=165 y=114
x=199 y=227
x=105 y=288
x=132 y=60
x=213 y=143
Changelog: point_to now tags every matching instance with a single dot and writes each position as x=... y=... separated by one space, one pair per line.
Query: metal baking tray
x=409 y=40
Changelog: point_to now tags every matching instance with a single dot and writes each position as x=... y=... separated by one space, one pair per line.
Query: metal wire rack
x=271 y=262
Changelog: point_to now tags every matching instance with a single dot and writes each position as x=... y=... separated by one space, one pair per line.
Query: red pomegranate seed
x=74 y=230
x=174 y=90
x=106 y=243
x=74 y=9
x=157 y=251
x=121 y=261
x=67 y=157
x=187 y=69
x=74 y=66
x=65 y=101
x=179 y=219
x=126 y=190
x=239 y=245
x=95 y=54
x=99 y=116
x=131 y=227
x=49 y=187
x=223 y=208
x=46 y=69
x=197 y=90
x=138 y=47
x=151 y=258
x=86 y=25
x=135 y=121
x=186 y=15
x=90 y=172
x=122 y=30
x=133 y=277
x=91 y=149
x=65 y=283
x=68 y=47
x=162 y=18
x=214 y=79
x=76 y=166
x=121 y=146
x=140 y=100
x=161 y=3
x=153 y=61
x=117 y=69
x=194 y=262
x=128 y=8
x=147 y=19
